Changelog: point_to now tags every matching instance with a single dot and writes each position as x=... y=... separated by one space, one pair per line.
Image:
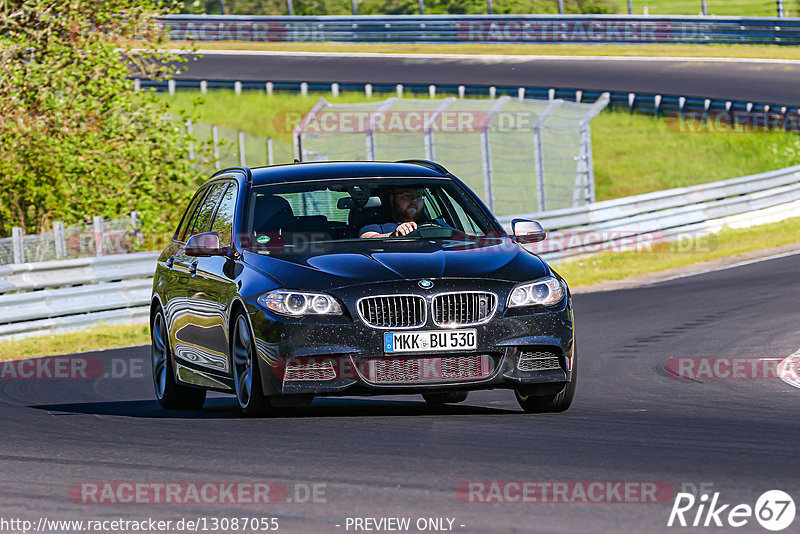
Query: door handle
x=193 y=269
x=170 y=262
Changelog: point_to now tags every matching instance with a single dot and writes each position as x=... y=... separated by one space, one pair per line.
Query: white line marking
x=789 y=370
x=724 y=267
x=496 y=58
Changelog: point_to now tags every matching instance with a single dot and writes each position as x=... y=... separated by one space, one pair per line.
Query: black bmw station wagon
x=288 y=282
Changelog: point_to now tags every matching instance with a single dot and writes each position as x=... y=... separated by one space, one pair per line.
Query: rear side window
x=203 y=221
x=189 y=216
x=223 y=220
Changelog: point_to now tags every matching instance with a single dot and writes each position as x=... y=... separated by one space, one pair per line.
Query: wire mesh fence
x=519 y=155
x=98 y=238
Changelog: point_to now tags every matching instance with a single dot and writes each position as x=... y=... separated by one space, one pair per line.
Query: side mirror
x=526 y=231
x=203 y=245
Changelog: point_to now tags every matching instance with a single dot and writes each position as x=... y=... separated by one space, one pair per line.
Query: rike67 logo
x=774 y=510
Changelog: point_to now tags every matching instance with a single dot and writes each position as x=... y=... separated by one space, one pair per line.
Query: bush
x=77 y=140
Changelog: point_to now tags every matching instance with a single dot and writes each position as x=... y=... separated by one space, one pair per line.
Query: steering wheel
x=430 y=230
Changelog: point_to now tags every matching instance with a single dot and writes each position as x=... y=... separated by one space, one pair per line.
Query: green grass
x=637 y=154
x=737 y=8
x=632 y=153
x=726 y=243
x=654 y=50
x=100 y=338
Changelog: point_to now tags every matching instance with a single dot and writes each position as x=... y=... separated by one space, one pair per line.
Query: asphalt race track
x=754 y=80
x=396 y=456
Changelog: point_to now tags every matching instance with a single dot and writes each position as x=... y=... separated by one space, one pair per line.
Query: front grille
x=309 y=371
x=428 y=370
x=537 y=361
x=393 y=311
x=463 y=309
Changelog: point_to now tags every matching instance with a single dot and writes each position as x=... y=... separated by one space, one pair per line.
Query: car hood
x=321 y=266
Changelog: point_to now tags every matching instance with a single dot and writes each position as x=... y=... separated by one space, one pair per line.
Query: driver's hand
x=405 y=228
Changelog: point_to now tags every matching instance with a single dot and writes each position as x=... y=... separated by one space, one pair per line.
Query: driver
x=408 y=208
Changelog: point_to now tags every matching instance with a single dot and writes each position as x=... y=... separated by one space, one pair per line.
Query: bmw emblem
x=425 y=284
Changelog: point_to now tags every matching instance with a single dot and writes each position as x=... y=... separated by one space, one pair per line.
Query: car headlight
x=545 y=292
x=300 y=303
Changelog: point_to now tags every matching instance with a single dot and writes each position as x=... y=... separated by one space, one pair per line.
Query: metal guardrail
x=664 y=215
x=54 y=296
x=487 y=29
x=755 y=114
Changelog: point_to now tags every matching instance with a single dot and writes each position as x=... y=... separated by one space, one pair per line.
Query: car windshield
x=371 y=208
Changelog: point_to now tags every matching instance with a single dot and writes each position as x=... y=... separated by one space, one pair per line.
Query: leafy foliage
x=75 y=139
x=395 y=7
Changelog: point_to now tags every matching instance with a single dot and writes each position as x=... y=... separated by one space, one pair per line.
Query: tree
x=75 y=139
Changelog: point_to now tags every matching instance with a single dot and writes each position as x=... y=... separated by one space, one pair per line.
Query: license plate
x=430 y=341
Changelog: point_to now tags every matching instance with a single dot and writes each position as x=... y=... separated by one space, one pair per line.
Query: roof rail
x=426 y=163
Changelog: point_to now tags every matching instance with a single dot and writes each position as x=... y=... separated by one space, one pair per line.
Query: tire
x=446 y=397
x=552 y=403
x=170 y=394
x=246 y=374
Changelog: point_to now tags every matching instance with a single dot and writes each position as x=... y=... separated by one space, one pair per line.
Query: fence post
x=137 y=85
x=97 y=227
x=270 y=152
x=269 y=88
x=242 y=155
x=780 y=8
x=486 y=162
x=303 y=88
x=370 y=136
x=486 y=152
x=630 y=7
x=560 y=7
x=290 y=7
x=16 y=240
x=705 y=8
x=136 y=225
x=215 y=141
x=60 y=240
x=430 y=149
x=368 y=90
x=237 y=88
x=539 y=152
x=334 y=90
x=191 y=139
x=399 y=88
x=171 y=87
x=203 y=87
x=461 y=91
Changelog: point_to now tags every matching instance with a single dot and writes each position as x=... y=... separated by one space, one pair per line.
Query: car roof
x=327 y=170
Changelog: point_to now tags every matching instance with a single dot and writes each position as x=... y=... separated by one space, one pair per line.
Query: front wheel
x=170 y=394
x=246 y=375
x=551 y=403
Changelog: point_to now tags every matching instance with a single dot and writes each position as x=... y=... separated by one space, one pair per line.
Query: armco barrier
x=43 y=297
x=757 y=114
x=487 y=29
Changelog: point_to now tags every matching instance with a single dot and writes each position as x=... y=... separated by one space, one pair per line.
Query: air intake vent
x=463 y=309
x=430 y=370
x=296 y=370
x=393 y=311
x=537 y=361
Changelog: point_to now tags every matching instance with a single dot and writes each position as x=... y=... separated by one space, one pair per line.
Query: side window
x=203 y=221
x=189 y=216
x=223 y=220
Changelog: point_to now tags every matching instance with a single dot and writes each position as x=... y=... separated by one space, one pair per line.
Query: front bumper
x=336 y=354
